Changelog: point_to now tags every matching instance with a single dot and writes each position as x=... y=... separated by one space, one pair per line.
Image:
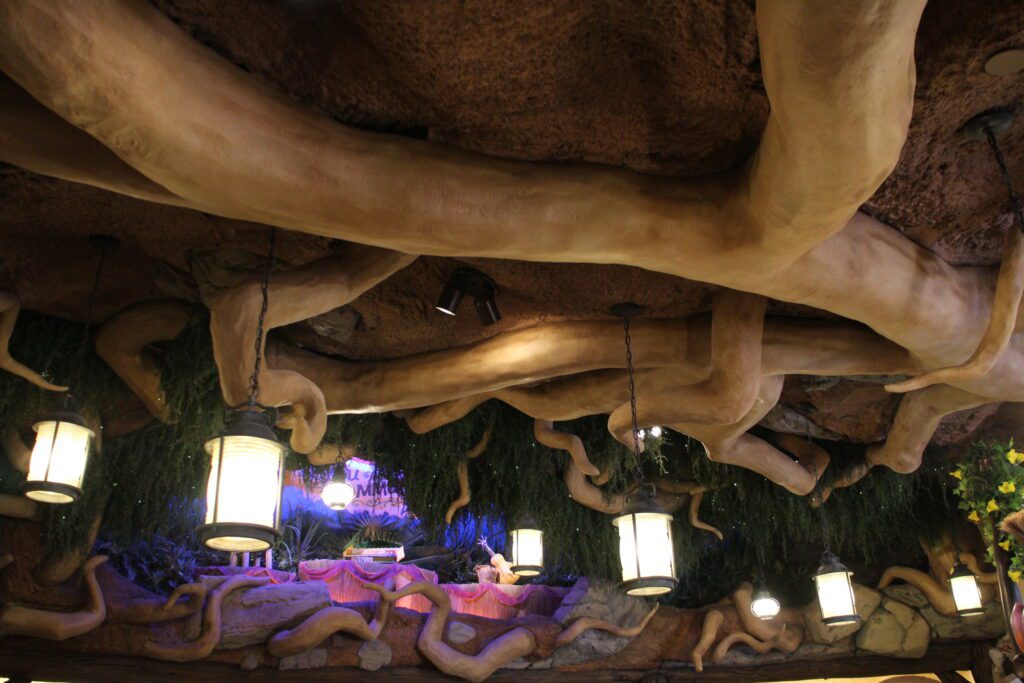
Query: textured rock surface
x=894 y=630
x=459 y=632
x=311 y=659
x=988 y=625
x=252 y=615
x=374 y=654
x=867 y=601
x=603 y=600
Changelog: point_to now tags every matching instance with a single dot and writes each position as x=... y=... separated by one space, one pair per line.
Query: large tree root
x=708 y=633
x=153 y=611
x=323 y=624
x=545 y=433
x=1003 y=320
x=122 y=342
x=462 y=472
x=19 y=507
x=518 y=642
x=580 y=626
x=759 y=646
x=9 y=307
x=728 y=393
x=294 y=295
x=204 y=645
x=24 y=621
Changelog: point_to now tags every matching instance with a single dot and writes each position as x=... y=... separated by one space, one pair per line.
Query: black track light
x=469 y=282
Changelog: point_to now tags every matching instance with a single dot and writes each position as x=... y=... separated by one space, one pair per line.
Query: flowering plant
x=990 y=485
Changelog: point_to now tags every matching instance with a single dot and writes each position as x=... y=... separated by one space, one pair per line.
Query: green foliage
x=989 y=485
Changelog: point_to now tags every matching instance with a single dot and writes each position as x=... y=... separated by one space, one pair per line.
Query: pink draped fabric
x=497 y=601
x=276 y=575
x=345 y=579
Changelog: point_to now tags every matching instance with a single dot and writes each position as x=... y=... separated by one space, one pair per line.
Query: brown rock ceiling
x=659 y=87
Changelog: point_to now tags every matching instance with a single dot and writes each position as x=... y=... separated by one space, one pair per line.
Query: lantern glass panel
x=836 y=598
x=645 y=549
x=338 y=494
x=966 y=595
x=244 y=489
x=59 y=457
x=527 y=551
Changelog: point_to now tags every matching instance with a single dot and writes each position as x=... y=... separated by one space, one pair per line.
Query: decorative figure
x=500 y=569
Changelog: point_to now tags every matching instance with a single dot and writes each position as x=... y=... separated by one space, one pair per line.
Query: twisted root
x=759 y=646
x=510 y=646
x=584 y=624
x=212 y=622
x=1005 y=304
x=546 y=434
x=463 y=474
x=151 y=611
x=327 y=622
x=708 y=632
x=24 y=621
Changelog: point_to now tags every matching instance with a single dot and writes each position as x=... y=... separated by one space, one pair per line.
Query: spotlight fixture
x=764 y=605
x=470 y=282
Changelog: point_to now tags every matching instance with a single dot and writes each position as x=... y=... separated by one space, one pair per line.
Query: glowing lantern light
x=835 y=592
x=656 y=432
x=527 y=548
x=338 y=493
x=966 y=595
x=764 y=606
x=645 y=546
x=243 y=494
x=59 y=457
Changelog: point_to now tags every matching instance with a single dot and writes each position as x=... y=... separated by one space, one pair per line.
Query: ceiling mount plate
x=997 y=120
x=626 y=309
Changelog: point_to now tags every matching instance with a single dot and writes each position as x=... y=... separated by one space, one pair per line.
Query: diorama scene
x=492 y=341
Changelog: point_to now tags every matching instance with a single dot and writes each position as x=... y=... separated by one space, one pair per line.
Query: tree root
x=462 y=472
x=584 y=624
x=325 y=623
x=545 y=433
x=759 y=646
x=1003 y=320
x=9 y=308
x=939 y=597
x=203 y=645
x=708 y=632
x=24 y=621
x=153 y=611
x=122 y=342
x=696 y=498
x=518 y=642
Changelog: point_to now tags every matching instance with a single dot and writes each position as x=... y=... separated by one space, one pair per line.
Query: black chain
x=254 y=379
x=632 y=397
x=819 y=489
x=1005 y=172
x=84 y=345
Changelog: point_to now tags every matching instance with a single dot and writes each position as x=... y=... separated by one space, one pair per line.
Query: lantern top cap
x=526 y=521
x=960 y=570
x=254 y=423
x=644 y=499
x=830 y=564
x=67 y=412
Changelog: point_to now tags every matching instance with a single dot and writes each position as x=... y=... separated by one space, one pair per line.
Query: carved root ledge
x=24 y=621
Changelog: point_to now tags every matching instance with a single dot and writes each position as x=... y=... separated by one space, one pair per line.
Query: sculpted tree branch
x=122 y=340
x=295 y=295
x=1005 y=308
x=518 y=642
x=24 y=621
x=708 y=632
x=934 y=584
x=204 y=645
x=314 y=629
x=9 y=307
x=153 y=610
x=546 y=434
x=463 y=475
x=580 y=626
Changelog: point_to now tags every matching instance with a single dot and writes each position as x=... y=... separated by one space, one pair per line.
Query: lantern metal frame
x=644 y=501
x=526 y=522
x=68 y=414
x=339 y=466
x=252 y=424
x=960 y=571
x=830 y=564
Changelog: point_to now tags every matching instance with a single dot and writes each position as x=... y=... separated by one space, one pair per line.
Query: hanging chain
x=1005 y=173
x=84 y=344
x=826 y=537
x=254 y=379
x=632 y=398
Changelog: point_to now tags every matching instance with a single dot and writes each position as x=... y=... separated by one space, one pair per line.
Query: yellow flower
x=1014 y=574
x=1014 y=457
x=957 y=474
x=1005 y=545
x=992 y=506
x=974 y=517
x=1007 y=487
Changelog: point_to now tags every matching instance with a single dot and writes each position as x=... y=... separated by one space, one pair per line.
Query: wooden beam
x=31 y=661
x=981 y=663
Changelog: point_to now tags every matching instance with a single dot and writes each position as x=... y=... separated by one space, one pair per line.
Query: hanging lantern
x=966 y=595
x=835 y=592
x=243 y=494
x=338 y=493
x=527 y=548
x=59 y=457
x=764 y=605
x=645 y=546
